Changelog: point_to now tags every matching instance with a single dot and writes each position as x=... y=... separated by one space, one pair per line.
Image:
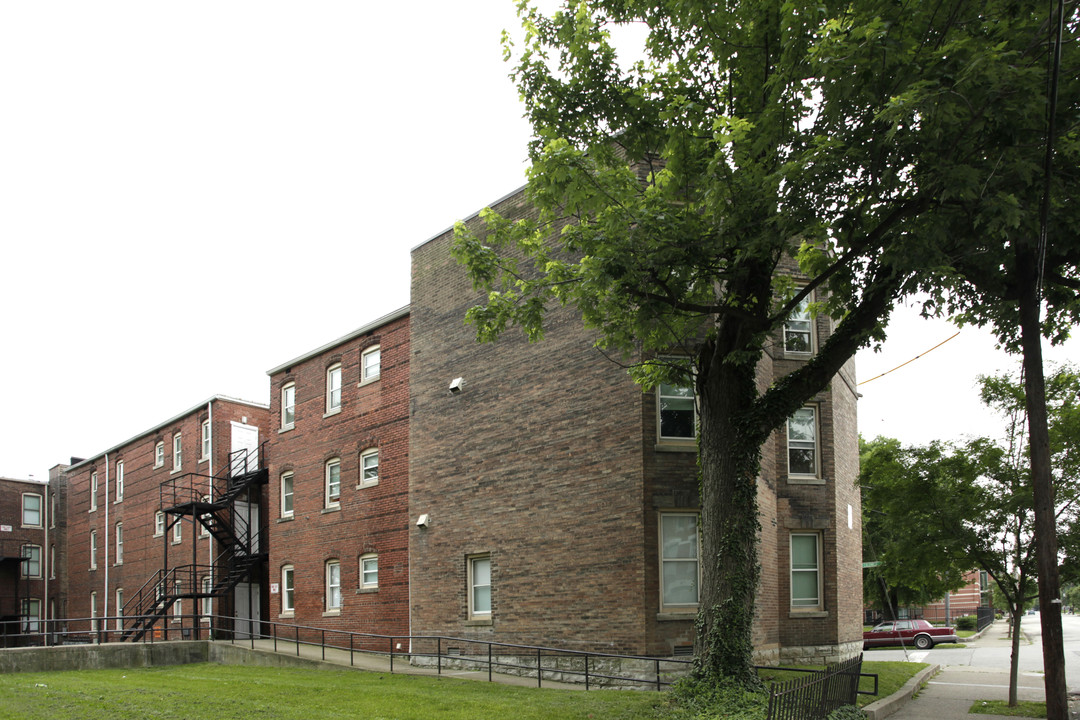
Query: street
x=993 y=651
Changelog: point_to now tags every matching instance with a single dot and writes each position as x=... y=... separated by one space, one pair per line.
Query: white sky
x=192 y=193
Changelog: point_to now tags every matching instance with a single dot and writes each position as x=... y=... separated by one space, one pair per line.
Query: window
x=333 y=388
x=287 y=606
x=52 y=562
x=370 y=362
x=679 y=560
x=206 y=440
x=802 y=442
x=333 y=585
x=119 y=543
x=177 y=453
x=333 y=483
x=678 y=414
x=119 y=480
x=480 y=586
x=288 y=406
x=159 y=454
x=369 y=467
x=31 y=564
x=178 y=604
x=178 y=531
x=208 y=599
x=31 y=612
x=205 y=520
x=159 y=523
x=52 y=510
x=119 y=608
x=287 y=494
x=369 y=572
x=805 y=573
x=31 y=510
x=798 y=336
x=93 y=611
x=93 y=549
x=93 y=492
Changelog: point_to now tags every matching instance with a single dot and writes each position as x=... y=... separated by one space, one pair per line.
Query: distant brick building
x=120 y=534
x=561 y=502
x=24 y=569
x=339 y=469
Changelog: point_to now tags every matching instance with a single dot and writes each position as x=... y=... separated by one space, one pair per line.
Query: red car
x=917 y=633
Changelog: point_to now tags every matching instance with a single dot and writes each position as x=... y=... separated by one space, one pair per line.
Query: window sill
x=369 y=381
x=365 y=591
x=361 y=486
x=332 y=613
x=177 y=542
x=287 y=518
x=158 y=467
x=795 y=614
x=93 y=509
x=157 y=535
x=805 y=480
x=330 y=413
x=675 y=447
x=478 y=622
x=286 y=429
x=119 y=564
x=287 y=614
x=93 y=567
x=117 y=502
x=676 y=616
x=332 y=509
x=203 y=459
x=175 y=470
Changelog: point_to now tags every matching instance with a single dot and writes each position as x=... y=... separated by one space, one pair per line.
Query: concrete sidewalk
x=948 y=692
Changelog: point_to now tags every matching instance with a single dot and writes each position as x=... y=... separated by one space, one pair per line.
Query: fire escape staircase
x=240 y=551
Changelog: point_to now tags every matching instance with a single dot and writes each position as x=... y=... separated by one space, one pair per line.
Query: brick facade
x=23 y=554
x=367 y=521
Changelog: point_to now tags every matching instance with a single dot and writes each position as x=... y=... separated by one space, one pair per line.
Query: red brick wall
x=370 y=519
x=13 y=536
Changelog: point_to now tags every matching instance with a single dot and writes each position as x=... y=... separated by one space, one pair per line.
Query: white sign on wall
x=273 y=588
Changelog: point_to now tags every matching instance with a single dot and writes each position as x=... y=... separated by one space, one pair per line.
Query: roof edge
x=384 y=320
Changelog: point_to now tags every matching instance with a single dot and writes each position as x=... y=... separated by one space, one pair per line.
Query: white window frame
x=178 y=531
x=666 y=562
x=204 y=531
x=369 y=467
x=119 y=543
x=159 y=523
x=177 y=451
x=206 y=439
x=661 y=395
x=208 y=600
x=806 y=604
x=370 y=371
x=52 y=562
x=288 y=590
x=288 y=406
x=52 y=510
x=93 y=612
x=332 y=573
x=40 y=509
x=93 y=549
x=178 y=603
x=799 y=324
x=288 y=496
x=93 y=491
x=331 y=500
x=369 y=571
x=31 y=615
x=119 y=609
x=159 y=454
x=119 y=481
x=813 y=445
x=333 y=388
x=31 y=559
x=475 y=583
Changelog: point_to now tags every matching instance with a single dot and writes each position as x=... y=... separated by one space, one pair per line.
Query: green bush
x=848 y=712
x=966 y=622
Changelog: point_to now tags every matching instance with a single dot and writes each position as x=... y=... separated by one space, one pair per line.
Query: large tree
x=751 y=134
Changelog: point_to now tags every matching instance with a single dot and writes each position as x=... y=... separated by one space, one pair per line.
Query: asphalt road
x=994 y=652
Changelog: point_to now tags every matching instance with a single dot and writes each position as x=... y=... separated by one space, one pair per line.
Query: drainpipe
x=210 y=495
x=43 y=611
x=105 y=592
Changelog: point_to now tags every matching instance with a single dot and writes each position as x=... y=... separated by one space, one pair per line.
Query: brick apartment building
x=24 y=556
x=120 y=532
x=419 y=483
x=561 y=503
x=339 y=468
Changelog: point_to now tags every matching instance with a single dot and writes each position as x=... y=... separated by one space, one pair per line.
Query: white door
x=246 y=615
x=246 y=523
x=244 y=454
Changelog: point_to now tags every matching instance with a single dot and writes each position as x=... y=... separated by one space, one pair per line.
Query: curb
x=885 y=707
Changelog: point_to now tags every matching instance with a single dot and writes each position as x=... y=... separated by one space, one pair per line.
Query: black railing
x=820 y=693
x=985 y=616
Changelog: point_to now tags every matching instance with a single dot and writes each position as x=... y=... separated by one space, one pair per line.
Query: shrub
x=848 y=712
x=966 y=622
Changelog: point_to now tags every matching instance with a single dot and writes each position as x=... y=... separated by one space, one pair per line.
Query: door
x=244 y=451
x=246 y=597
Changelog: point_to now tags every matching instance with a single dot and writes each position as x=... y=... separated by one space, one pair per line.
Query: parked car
x=917 y=633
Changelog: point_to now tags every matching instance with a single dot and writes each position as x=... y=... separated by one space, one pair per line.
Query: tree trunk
x=1046 y=545
x=729 y=457
x=1016 y=614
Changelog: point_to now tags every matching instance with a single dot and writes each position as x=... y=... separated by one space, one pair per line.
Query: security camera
x=422 y=521
x=456 y=384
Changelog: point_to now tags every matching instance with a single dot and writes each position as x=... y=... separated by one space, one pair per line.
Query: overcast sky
x=192 y=193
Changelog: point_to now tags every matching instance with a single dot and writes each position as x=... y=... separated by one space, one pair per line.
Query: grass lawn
x=238 y=692
x=891 y=677
x=1024 y=708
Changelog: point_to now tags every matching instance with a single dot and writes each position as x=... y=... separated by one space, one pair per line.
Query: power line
x=912 y=359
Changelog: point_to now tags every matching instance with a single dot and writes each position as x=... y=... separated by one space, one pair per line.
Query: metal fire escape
x=211 y=501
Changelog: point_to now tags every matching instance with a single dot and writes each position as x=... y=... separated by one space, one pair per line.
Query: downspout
x=105 y=534
x=43 y=611
x=210 y=495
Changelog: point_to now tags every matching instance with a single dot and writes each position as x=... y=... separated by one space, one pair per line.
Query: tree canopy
x=759 y=156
